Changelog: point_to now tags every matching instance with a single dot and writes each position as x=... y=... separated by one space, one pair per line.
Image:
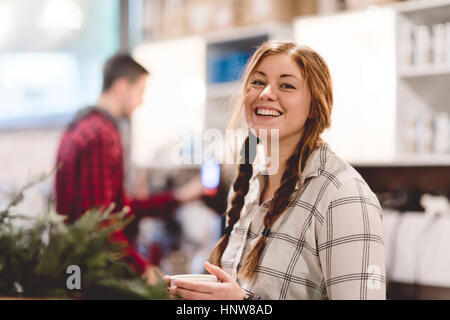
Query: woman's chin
x=264 y=132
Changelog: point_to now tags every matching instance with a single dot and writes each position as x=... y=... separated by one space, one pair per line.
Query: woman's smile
x=267 y=113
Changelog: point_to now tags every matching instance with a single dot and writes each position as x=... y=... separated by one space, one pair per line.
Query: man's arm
x=156 y=205
x=166 y=202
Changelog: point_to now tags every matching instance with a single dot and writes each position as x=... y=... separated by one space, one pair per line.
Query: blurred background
x=390 y=64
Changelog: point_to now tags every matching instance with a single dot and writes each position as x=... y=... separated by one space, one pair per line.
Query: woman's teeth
x=267 y=112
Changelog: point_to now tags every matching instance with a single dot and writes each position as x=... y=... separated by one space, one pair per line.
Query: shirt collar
x=106 y=114
x=313 y=167
x=80 y=114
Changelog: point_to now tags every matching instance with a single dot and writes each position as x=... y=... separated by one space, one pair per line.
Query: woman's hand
x=227 y=289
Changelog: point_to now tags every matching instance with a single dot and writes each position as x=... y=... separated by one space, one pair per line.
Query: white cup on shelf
x=441 y=132
x=447 y=43
x=438 y=46
x=422 y=46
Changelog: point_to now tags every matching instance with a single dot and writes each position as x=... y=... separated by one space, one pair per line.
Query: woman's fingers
x=198 y=286
x=202 y=290
x=219 y=273
x=188 y=294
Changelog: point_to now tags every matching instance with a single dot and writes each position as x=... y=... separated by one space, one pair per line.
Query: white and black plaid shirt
x=328 y=244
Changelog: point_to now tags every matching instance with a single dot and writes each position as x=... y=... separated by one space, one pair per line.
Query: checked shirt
x=328 y=244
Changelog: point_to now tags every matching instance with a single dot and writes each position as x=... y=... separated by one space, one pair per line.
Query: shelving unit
x=424 y=71
x=422 y=9
x=365 y=52
x=422 y=87
x=408 y=161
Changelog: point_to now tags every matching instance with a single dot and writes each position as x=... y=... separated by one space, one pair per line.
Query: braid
x=240 y=187
x=296 y=162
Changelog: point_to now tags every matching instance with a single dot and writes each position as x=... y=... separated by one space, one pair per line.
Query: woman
x=314 y=229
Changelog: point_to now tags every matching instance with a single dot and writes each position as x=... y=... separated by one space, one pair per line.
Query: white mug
x=194 y=277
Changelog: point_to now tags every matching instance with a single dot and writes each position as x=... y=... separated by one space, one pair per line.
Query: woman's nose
x=269 y=93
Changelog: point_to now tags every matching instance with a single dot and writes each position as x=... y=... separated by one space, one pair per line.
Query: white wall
x=174 y=101
x=359 y=48
x=23 y=156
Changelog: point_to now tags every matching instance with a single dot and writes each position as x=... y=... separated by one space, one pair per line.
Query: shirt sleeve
x=138 y=263
x=65 y=179
x=157 y=205
x=351 y=246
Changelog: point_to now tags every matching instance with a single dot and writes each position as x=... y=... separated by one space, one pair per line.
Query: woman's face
x=277 y=97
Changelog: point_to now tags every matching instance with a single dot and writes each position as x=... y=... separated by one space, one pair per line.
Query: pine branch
x=30 y=266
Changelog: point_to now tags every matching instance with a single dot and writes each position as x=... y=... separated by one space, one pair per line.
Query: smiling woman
x=312 y=229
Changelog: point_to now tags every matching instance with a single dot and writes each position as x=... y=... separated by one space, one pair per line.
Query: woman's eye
x=287 y=86
x=258 y=83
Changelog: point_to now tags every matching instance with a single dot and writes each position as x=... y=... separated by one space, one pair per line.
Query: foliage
x=34 y=261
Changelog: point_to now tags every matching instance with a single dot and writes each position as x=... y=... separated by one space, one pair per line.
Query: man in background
x=90 y=156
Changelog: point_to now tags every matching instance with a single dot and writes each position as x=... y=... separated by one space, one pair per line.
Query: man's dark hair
x=121 y=66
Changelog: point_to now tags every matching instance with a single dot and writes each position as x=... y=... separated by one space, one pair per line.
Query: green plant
x=34 y=261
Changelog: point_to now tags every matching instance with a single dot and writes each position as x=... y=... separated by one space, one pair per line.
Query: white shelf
x=421 y=89
x=424 y=160
x=424 y=71
x=419 y=5
x=409 y=161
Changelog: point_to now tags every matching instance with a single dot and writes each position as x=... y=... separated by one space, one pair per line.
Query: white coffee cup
x=194 y=277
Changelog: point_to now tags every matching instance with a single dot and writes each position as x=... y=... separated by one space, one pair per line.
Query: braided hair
x=240 y=187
